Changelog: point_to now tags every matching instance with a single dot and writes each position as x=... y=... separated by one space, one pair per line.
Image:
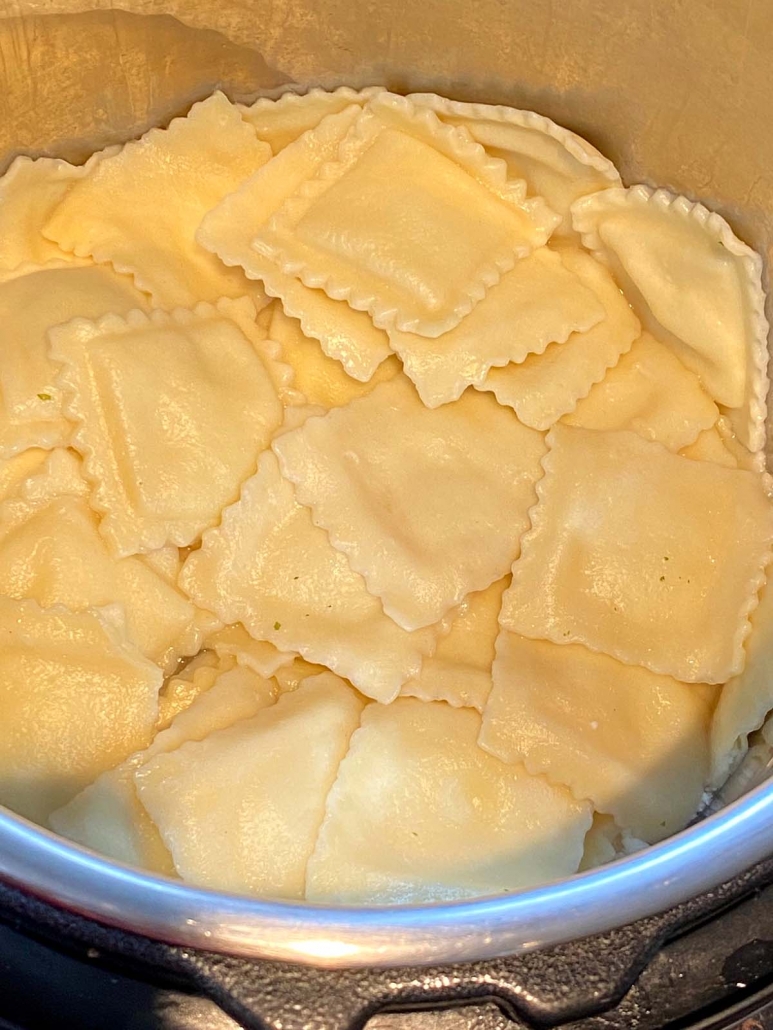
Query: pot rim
x=649 y=882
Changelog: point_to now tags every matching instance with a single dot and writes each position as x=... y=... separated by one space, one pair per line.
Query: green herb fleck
x=277 y=625
x=44 y=396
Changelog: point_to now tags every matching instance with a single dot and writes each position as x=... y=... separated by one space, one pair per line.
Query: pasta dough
x=696 y=283
x=30 y=304
x=166 y=182
x=538 y=302
x=279 y=122
x=269 y=776
x=634 y=743
x=185 y=392
x=383 y=476
x=268 y=566
x=337 y=231
x=642 y=554
x=76 y=699
x=651 y=392
x=543 y=387
x=412 y=788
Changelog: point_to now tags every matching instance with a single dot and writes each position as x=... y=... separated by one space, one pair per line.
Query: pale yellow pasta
x=634 y=743
x=258 y=655
x=269 y=567
x=651 y=392
x=139 y=209
x=76 y=698
x=538 y=302
x=255 y=776
x=384 y=476
x=279 y=122
x=14 y=471
x=418 y=812
x=172 y=412
x=709 y=446
x=468 y=226
x=642 y=554
x=459 y=672
x=30 y=304
x=543 y=387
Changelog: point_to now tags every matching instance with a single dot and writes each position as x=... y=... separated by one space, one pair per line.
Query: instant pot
x=679 y=935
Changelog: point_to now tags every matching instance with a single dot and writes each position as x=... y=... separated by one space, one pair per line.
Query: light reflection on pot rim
x=650 y=881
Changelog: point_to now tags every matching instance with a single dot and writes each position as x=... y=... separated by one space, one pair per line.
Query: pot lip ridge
x=644 y=884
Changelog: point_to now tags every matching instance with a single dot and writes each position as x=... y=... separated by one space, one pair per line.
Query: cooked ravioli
x=271 y=568
x=459 y=672
x=268 y=776
x=279 y=122
x=108 y=817
x=76 y=697
x=554 y=162
x=651 y=392
x=172 y=411
x=258 y=655
x=696 y=284
x=166 y=182
x=462 y=223
x=385 y=477
x=538 y=302
x=636 y=744
x=31 y=304
x=642 y=554
x=543 y=387
x=418 y=812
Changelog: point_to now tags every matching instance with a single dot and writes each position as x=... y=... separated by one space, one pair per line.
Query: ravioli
x=462 y=223
x=51 y=550
x=29 y=192
x=414 y=786
x=279 y=122
x=538 y=302
x=30 y=304
x=543 y=387
x=345 y=335
x=172 y=412
x=108 y=817
x=76 y=697
x=459 y=672
x=269 y=567
x=747 y=698
x=555 y=163
x=709 y=446
x=634 y=743
x=384 y=476
x=651 y=392
x=166 y=182
x=696 y=285
x=268 y=775
x=322 y=380
x=14 y=471
x=643 y=555
x=258 y=655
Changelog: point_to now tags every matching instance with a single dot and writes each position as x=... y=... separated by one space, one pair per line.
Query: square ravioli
x=543 y=387
x=695 y=284
x=651 y=392
x=31 y=304
x=267 y=777
x=51 y=550
x=345 y=335
x=172 y=412
x=643 y=555
x=76 y=698
x=538 y=302
x=461 y=222
x=279 y=122
x=634 y=743
x=269 y=567
x=139 y=208
x=459 y=671
x=428 y=505
x=418 y=812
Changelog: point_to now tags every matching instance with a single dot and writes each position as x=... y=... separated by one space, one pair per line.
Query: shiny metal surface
x=652 y=880
x=676 y=94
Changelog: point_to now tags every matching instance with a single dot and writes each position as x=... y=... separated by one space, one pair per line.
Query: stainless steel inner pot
x=676 y=94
